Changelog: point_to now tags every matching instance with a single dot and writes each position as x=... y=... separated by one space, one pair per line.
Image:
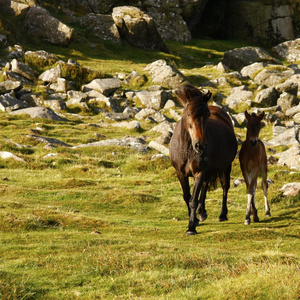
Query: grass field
x=109 y=223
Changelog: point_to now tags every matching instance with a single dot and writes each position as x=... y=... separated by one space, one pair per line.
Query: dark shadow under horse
x=203 y=146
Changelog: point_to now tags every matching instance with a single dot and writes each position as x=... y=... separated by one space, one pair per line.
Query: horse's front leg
x=193 y=203
x=201 y=211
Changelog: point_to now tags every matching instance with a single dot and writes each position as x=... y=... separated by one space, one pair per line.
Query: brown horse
x=203 y=146
x=253 y=160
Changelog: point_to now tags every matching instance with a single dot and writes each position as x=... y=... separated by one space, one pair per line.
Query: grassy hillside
x=109 y=223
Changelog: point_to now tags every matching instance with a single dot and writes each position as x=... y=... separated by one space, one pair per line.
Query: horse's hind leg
x=265 y=189
x=201 y=211
x=225 y=181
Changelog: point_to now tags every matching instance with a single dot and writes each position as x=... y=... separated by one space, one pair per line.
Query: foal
x=253 y=160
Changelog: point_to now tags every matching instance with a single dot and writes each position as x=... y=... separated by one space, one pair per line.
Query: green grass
x=50 y=207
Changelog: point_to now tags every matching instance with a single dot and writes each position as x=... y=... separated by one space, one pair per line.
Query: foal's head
x=195 y=115
x=254 y=126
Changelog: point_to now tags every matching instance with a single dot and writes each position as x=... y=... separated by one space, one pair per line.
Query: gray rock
x=164 y=128
x=169 y=19
x=51 y=75
x=222 y=68
x=270 y=78
x=249 y=71
x=134 y=78
x=76 y=102
x=138 y=28
x=291 y=189
x=289 y=50
x=132 y=125
x=288 y=86
x=292 y=111
x=31 y=99
x=117 y=116
x=286 y=101
x=105 y=86
x=60 y=86
x=291 y=157
x=39 y=22
x=175 y=115
x=49 y=141
x=20 y=7
x=9 y=85
x=277 y=130
x=128 y=142
x=7 y=155
x=22 y=69
x=240 y=57
x=166 y=75
x=287 y=138
x=77 y=95
x=267 y=97
x=296 y=118
x=101 y=26
x=45 y=58
x=155 y=99
x=238 y=97
x=169 y=104
x=144 y=113
x=40 y=112
x=239 y=119
x=159 y=147
x=221 y=81
x=55 y=104
x=8 y=102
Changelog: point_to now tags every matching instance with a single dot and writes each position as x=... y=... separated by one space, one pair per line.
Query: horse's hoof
x=256 y=219
x=222 y=219
x=191 y=232
x=202 y=217
x=268 y=214
x=247 y=222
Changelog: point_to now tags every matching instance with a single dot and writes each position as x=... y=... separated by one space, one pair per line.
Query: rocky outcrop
x=240 y=57
x=39 y=22
x=266 y=22
x=138 y=28
x=101 y=26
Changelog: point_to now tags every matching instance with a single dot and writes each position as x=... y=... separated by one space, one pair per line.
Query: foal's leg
x=225 y=181
x=201 y=211
x=193 y=203
x=265 y=189
x=251 y=188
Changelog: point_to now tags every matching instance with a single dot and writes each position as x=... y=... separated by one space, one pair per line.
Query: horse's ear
x=185 y=94
x=247 y=115
x=207 y=96
x=261 y=116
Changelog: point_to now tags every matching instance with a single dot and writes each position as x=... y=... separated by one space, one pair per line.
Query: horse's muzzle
x=199 y=147
x=253 y=142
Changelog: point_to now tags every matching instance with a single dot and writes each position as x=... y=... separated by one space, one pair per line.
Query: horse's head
x=254 y=126
x=195 y=115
